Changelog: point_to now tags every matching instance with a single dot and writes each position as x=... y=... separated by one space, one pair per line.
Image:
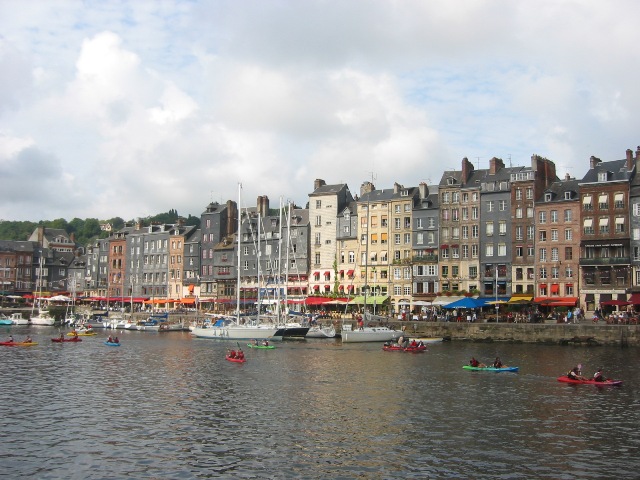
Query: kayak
x=266 y=347
x=236 y=360
x=490 y=369
x=112 y=344
x=398 y=348
x=82 y=334
x=61 y=340
x=18 y=344
x=607 y=383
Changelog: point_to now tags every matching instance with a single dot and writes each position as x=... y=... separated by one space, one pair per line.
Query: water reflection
x=169 y=406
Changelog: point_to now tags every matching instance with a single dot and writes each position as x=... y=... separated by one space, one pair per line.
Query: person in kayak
x=115 y=340
x=232 y=354
x=61 y=336
x=74 y=333
x=110 y=339
x=265 y=342
x=10 y=339
x=598 y=376
x=498 y=363
x=28 y=339
x=574 y=374
x=475 y=363
x=240 y=354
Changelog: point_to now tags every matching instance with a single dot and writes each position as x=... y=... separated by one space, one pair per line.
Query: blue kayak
x=491 y=369
x=112 y=344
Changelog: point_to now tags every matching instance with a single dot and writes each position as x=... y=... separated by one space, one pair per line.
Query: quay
x=588 y=334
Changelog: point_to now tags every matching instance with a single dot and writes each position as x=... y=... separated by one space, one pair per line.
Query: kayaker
x=115 y=340
x=475 y=363
x=240 y=354
x=232 y=354
x=265 y=342
x=498 y=363
x=28 y=339
x=254 y=341
x=598 y=376
x=74 y=333
x=574 y=374
x=10 y=339
x=61 y=337
x=110 y=340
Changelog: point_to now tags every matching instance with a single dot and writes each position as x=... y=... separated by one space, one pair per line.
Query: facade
x=116 y=287
x=425 y=215
x=16 y=267
x=216 y=223
x=605 y=256
x=558 y=244
x=634 y=225
x=527 y=186
x=325 y=203
x=348 y=247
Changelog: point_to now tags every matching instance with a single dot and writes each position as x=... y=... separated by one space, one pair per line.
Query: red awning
x=327 y=287
x=316 y=287
x=316 y=274
x=349 y=273
x=188 y=301
x=316 y=300
x=556 y=301
x=635 y=299
x=341 y=272
x=341 y=287
x=349 y=287
x=327 y=273
x=555 y=288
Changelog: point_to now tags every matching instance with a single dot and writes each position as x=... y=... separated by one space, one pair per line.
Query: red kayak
x=418 y=349
x=236 y=360
x=64 y=340
x=606 y=383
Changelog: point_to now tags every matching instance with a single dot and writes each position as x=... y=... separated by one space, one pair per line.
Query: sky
x=131 y=108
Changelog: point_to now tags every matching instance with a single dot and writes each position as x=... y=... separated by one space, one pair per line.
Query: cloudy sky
x=131 y=108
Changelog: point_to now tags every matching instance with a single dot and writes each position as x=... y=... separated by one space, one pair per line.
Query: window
x=445 y=271
x=587 y=202
x=554 y=235
x=396 y=239
x=502 y=205
x=603 y=223
x=489 y=250
x=502 y=227
x=474 y=213
x=465 y=214
x=474 y=231
x=619 y=224
x=554 y=216
x=602 y=176
x=618 y=200
x=418 y=223
x=465 y=232
x=568 y=215
x=465 y=251
x=420 y=238
x=542 y=217
x=519 y=251
x=519 y=212
x=519 y=232
x=502 y=249
x=568 y=234
x=473 y=272
x=603 y=201
x=636 y=209
x=543 y=254
x=489 y=229
x=543 y=235
x=474 y=250
x=568 y=253
x=587 y=226
x=554 y=254
x=529 y=193
x=490 y=206
x=518 y=194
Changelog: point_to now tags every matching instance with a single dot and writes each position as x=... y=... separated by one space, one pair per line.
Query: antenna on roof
x=510 y=161
x=373 y=176
x=478 y=158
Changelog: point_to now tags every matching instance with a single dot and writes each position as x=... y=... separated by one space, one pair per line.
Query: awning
x=341 y=272
x=327 y=273
x=316 y=300
x=557 y=301
x=316 y=274
x=635 y=299
x=316 y=287
x=373 y=300
x=349 y=273
x=586 y=200
x=349 y=287
x=188 y=301
x=555 y=288
x=341 y=287
x=520 y=299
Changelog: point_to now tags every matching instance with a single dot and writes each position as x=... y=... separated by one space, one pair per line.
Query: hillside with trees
x=86 y=230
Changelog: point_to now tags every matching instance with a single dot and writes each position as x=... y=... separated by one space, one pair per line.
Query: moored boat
x=18 y=319
x=43 y=318
x=318 y=331
x=369 y=334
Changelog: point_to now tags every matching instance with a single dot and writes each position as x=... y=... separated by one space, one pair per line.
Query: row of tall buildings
x=517 y=232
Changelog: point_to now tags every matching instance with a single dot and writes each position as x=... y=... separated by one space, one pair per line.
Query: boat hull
x=234 y=332
x=321 y=332
x=608 y=383
x=490 y=369
x=370 y=334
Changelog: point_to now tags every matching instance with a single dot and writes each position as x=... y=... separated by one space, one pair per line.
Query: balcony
x=605 y=261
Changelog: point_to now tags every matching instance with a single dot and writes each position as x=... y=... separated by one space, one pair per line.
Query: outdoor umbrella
x=466 y=302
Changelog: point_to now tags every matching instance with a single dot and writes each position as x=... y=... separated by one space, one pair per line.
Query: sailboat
x=234 y=328
x=368 y=333
x=43 y=317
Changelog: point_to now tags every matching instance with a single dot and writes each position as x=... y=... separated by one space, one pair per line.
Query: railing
x=606 y=261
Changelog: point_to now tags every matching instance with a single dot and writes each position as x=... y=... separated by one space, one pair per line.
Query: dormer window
x=602 y=176
x=567 y=195
x=450 y=181
x=547 y=197
x=404 y=193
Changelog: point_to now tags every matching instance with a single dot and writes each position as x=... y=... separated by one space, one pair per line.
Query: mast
x=279 y=261
x=239 y=244
x=286 y=268
x=366 y=258
x=259 y=254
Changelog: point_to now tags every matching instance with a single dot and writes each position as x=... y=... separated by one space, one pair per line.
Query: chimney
x=467 y=170
x=396 y=187
x=366 y=187
x=630 y=162
x=264 y=206
x=232 y=217
x=72 y=237
x=567 y=177
x=424 y=190
x=638 y=155
x=495 y=165
x=318 y=183
x=180 y=221
x=593 y=162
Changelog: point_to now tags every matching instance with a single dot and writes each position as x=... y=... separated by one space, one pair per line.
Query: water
x=170 y=406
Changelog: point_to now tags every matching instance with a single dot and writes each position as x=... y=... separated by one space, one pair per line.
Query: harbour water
x=167 y=406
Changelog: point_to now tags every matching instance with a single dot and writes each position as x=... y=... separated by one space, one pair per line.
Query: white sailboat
x=236 y=329
x=43 y=317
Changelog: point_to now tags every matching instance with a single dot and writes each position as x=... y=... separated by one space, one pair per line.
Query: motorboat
x=318 y=331
x=369 y=334
x=43 y=318
x=18 y=319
